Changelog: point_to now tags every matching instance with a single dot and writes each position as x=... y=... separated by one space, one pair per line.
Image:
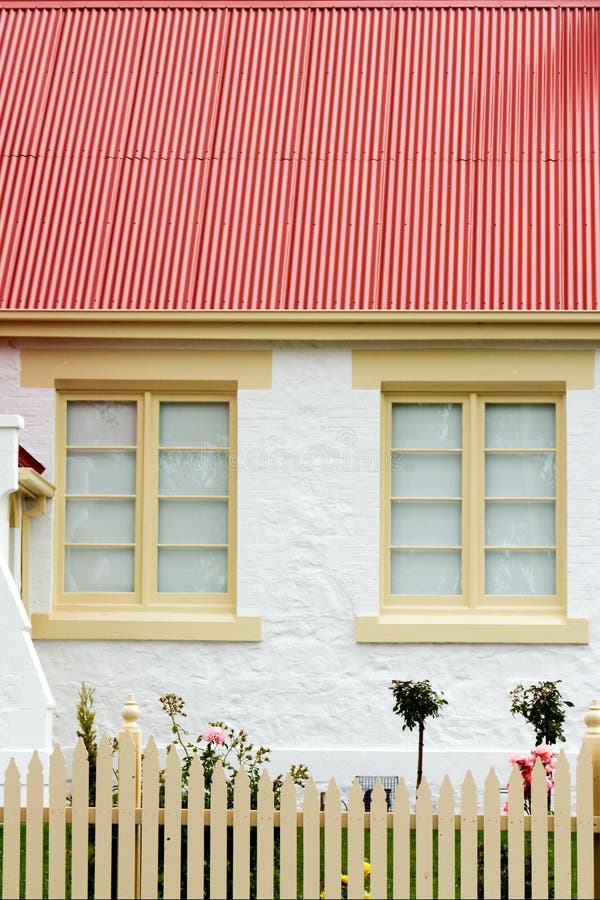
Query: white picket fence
x=146 y=844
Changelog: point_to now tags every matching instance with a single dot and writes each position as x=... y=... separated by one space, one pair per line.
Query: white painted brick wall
x=308 y=562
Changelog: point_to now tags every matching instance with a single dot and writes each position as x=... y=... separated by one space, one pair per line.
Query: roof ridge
x=301 y=4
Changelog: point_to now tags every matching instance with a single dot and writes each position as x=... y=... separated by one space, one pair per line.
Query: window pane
x=521 y=425
x=192 y=571
x=192 y=522
x=100 y=521
x=100 y=472
x=101 y=424
x=194 y=472
x=426 y=572
x=427 y=524
x=98 y=569
x=426 y=474
x=520 y=475
x=427 y=425
x=520 y=572
x=520 y=524
x=194 y=424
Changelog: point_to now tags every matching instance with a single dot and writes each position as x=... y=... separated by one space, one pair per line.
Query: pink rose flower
x=214 y=735
x=544 y=752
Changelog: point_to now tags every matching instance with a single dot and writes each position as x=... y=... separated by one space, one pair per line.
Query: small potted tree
x=415 y=702
x=544 y=707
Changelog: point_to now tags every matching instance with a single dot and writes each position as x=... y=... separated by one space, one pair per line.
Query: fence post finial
x=131 y=714
x=592 y=718
x=591 y=741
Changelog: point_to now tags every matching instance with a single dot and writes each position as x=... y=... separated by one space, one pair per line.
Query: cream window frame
x=473 y=616
x=473 y=499
x=145 y=613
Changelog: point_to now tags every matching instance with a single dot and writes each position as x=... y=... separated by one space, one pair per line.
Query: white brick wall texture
x=308 y=562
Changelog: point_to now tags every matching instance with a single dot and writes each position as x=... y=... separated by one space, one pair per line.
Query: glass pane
x=192 y=571
x=427 y=425
x=426 y=524
x=192 y=522
x=520 y=524
x=194 y=424
x=522 y=425
x=194 y=472
x=426 y=571
x=426 y=474
x=98 y=569
x=98 y=423
x=100 y=472
x=520 y=572
x=100 y=521
x=520 y=474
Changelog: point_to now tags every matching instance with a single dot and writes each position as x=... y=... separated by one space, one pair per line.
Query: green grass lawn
x=343 y=865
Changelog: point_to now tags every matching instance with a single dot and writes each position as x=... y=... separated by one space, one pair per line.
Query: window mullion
x=472 y=499
x=147 y=498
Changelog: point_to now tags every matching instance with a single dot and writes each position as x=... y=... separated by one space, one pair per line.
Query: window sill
x=154 y=626
x=466 y=628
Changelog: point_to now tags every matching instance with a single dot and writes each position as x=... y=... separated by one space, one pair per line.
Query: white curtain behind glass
x=193 y=497
x=100 y=501
x=520 y=505
x=426 y=498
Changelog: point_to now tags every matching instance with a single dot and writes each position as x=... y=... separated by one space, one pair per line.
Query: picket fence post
x=131 y=730
x=591 y=741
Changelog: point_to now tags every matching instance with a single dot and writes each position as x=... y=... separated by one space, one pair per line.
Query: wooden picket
x=172 y=830
x=378 y=842
x=80 y=822
x=195 y=831
x=539 y=832
x=103 y=824
x=468 y=839
x=34 y=840
x=491 y=838
x=516 y=837
x=245 y=843
x=424 y=842
x=562 y=827
x=333 y=842
x=265 y=818
x=312 y=843
x=11 y=832
x=401 y=841
x=57 y=825
x=288 y=840
x=356 y=842
x=149 y=835
x=218 y=834
x=241 y=836
x=446 y=832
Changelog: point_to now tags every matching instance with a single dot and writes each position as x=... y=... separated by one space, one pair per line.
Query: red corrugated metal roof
x=299 y=156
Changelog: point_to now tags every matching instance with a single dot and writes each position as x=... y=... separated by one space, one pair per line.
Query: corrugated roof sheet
x=240 y=156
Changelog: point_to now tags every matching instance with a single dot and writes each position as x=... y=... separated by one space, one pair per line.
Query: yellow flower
x=344 y=879
x=367 y=867
x=367 y=895
x=322 y=895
